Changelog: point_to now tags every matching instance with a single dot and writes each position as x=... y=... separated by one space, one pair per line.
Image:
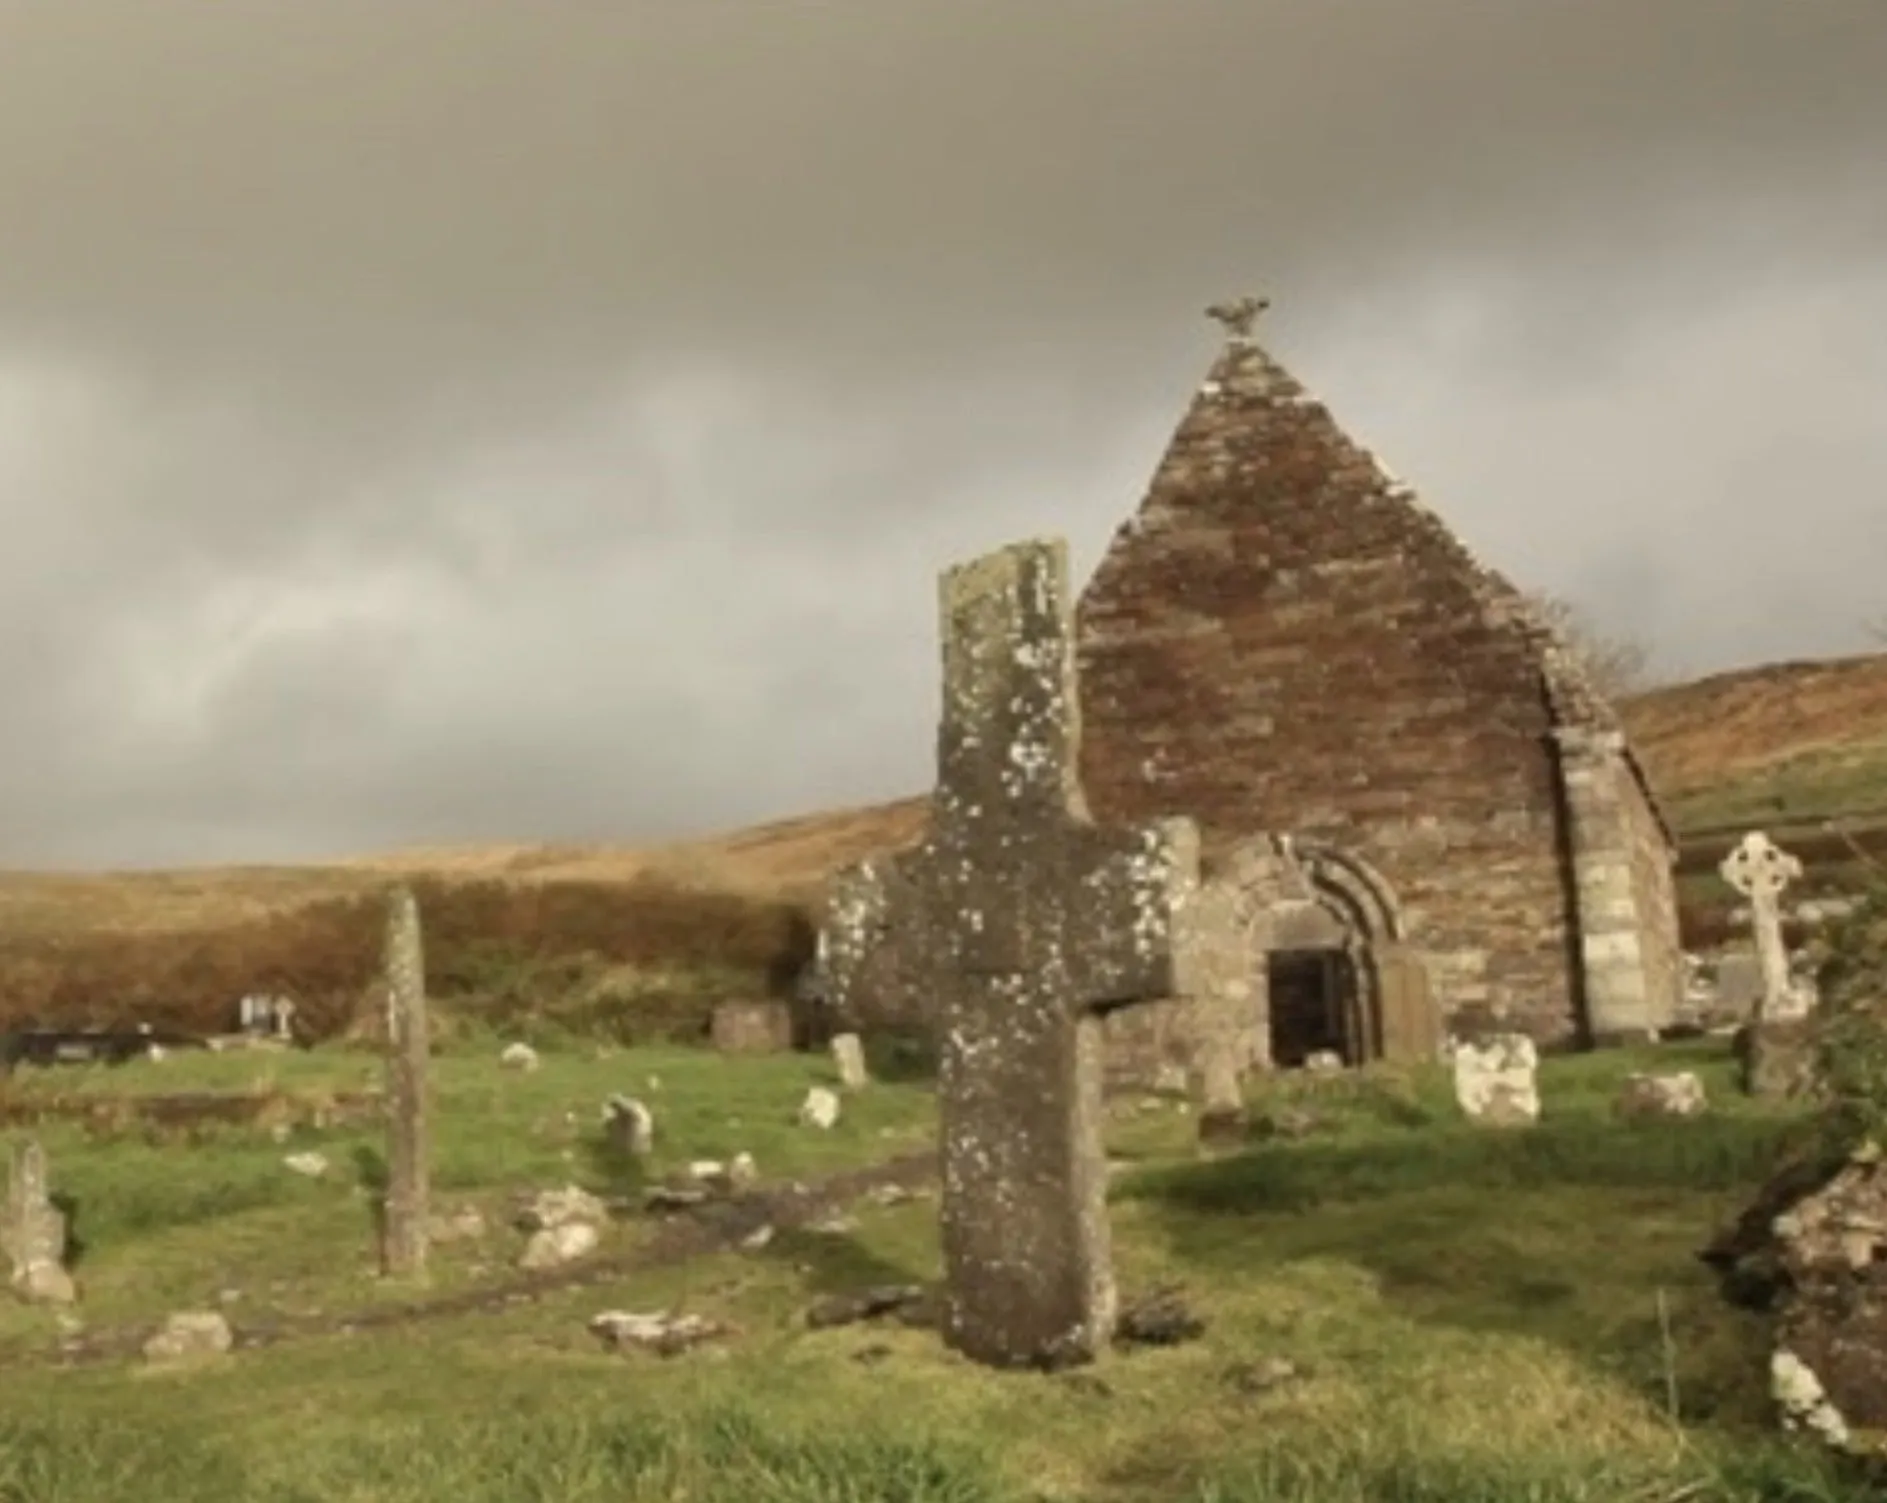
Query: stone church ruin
x=1426 y=816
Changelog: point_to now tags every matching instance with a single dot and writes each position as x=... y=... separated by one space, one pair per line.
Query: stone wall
x=1283 y=639
x=1654 y=884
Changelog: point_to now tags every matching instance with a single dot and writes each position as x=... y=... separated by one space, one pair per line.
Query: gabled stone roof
x=1251 y=419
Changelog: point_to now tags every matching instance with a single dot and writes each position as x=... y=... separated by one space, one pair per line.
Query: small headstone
x=756 y=1027
x=1738 y=987
x=848 y=1055
x=403 y=1252
x=33 y=1236
x=819 y=1109
x=1677 y=1095
x=1496 y=1081
x=519 y=1056
x=629 y=1126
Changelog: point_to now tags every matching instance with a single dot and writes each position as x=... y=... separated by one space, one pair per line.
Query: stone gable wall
x=1283 y=639
x=1654 y=881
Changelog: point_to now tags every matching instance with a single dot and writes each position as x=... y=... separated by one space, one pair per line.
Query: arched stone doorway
x=1335 y=972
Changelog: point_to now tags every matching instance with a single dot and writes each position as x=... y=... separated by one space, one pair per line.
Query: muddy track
x=711 y=1228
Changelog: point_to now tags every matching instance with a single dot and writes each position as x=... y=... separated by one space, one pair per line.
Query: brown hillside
x=1721 y=750
x=1785 y=743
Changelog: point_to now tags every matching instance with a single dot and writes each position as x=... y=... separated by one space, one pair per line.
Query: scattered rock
x=465 y=1224
x=1323 y=1062
x=758 y=1238
x=820 y=1108
x=848 y=1055
x=838 y=1224
x=190 y=1333
x=1285 y=1122
x=519 y=1056
x=1260 y=1376
x=867 y=1304
x=1801 y=1400
x=1497 y=1082
x=1170 y=1080
x=314 y=1165
x=1813 y=1247
x=1223 y=1129
x=1160 y=1318
x=676 y=1197
x=44 y=1282
x=664 y=1334
x=554 y=1246
x=629 y=1126
x=549 y=1209
x=1678 y=1095
x=889 y=1195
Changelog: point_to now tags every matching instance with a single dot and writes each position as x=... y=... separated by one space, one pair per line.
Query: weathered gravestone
x=1775 y=1046
x=403 y=1240
x=33 y=1235
x=848 y=1058
x=1023 y=922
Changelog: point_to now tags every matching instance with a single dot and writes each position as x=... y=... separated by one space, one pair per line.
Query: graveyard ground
x=1467 y=1314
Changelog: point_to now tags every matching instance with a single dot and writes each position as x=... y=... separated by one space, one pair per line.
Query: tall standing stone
x=403 y=1248
x=33 y=1235
x=1025 y=921
x=1760 y=870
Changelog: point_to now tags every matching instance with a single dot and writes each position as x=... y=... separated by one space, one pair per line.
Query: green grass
x=1850 y=779
x=1476 y=1316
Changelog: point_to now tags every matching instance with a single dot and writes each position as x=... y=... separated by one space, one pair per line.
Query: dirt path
x=712 y=1228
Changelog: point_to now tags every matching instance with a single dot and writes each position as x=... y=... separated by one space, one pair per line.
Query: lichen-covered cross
x=1021 y=922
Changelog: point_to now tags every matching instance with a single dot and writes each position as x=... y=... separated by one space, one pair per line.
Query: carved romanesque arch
x=1323 y=897
x=1355 y=893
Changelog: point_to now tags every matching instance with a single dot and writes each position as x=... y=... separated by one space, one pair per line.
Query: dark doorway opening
x=1316 y=1006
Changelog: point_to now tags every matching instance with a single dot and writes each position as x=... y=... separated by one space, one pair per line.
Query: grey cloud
x=466 y=420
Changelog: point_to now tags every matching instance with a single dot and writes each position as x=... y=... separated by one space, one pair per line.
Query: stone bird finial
x=1239 y=315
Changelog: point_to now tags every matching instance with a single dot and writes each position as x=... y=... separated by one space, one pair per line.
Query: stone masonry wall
x=1654 y=881
x=1282 y=639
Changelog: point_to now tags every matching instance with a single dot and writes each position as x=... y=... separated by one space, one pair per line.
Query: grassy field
x=1470 y=1315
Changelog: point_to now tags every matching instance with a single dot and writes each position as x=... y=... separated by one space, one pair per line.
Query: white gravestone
x=1760 y=870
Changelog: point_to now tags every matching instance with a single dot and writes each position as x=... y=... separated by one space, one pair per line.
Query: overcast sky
x=454 y=420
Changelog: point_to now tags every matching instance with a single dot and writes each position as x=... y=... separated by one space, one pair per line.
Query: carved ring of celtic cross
x=1759 y=866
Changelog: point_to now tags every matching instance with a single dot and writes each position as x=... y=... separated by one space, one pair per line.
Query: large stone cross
x=1024 y=922
x=1760 y=870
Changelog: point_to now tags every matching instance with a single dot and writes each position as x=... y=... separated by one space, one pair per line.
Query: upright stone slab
x=403 y=1248
x=1026 y=922
x=34 y=1233
x=1760 y=870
